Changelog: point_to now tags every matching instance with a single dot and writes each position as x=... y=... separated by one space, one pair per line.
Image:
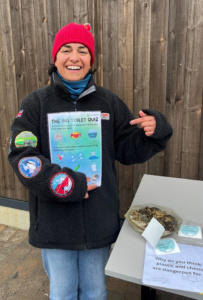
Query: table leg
x=147 y=293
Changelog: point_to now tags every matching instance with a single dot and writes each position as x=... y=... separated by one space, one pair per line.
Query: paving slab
x=7 y=233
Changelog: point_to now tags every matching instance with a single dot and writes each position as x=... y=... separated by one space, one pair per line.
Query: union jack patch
x=19 y=114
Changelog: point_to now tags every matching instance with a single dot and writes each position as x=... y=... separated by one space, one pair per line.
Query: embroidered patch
x=29 y=166
x=19 y=114
x=61 y=184
x=25 y=139
x=105 y=116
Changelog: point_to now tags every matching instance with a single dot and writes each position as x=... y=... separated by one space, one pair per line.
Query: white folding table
x=184 y=196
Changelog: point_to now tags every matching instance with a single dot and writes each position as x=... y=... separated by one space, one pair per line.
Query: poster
x=75 y=142
x=178 y=271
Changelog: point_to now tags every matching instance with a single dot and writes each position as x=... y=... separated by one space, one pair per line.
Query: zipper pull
x=75 y=105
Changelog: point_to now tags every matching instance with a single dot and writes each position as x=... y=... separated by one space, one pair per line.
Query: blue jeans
x=76 y=274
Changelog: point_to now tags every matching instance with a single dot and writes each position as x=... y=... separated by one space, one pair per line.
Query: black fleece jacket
x=72 y=222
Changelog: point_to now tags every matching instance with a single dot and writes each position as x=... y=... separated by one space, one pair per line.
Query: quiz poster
x=75 y=142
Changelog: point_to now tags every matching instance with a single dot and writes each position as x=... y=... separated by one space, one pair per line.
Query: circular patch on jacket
x=25 y=139
x=61 y=184
x=29 y=166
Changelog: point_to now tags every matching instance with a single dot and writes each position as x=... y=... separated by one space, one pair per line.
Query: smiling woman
x=73 y=220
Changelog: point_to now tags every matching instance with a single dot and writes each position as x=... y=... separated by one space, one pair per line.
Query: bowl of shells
x=139 y=217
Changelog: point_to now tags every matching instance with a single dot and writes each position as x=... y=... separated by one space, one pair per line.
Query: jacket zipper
x=75 y=103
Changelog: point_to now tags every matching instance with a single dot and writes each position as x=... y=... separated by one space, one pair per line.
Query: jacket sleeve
x=48 y=181
x=131 y=143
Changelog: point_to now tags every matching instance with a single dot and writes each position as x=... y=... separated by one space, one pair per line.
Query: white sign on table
x=180 y=271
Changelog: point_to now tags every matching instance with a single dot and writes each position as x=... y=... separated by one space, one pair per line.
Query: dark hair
x=52 y=68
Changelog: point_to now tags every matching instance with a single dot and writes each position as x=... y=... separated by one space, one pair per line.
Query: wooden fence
x=149 y=52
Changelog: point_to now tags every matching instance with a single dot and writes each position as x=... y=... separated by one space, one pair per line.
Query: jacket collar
x=62 y=90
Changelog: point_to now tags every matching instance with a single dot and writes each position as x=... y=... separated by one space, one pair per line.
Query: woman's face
x=73 y=61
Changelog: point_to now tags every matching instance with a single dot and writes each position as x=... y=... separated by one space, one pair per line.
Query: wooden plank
x=53 y=17
x=158 y=59
x=192 y=92
x=109 y=53
x=30 y=45
x=172 y=163
x=178 y=11
x=125 y=88
x=18 y=49
x=80 y=12
x=158 y=69
x=95 y=18
x=7 y=182
x=9 y=64
x=110 y=44
x=176 y=50
x=66 y=12
x=3 y=190
x=42 y=46
x=141 y=58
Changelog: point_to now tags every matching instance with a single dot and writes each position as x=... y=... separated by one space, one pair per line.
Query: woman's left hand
x=148 y=123
x=90 y=187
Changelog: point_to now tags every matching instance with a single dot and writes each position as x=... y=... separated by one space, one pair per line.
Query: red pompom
x=88 y=27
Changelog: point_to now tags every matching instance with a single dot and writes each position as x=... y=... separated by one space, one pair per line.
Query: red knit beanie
x=74 y=33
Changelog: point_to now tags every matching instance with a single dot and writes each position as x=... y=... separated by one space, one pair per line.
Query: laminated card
x=75 y=142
